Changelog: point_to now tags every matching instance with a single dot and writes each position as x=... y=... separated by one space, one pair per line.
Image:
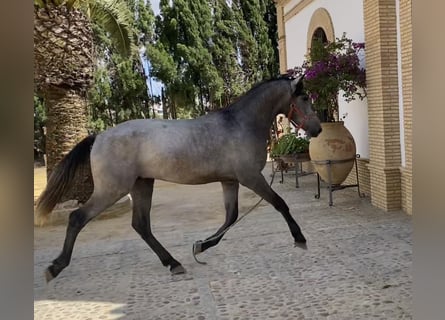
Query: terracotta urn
x=334 y=143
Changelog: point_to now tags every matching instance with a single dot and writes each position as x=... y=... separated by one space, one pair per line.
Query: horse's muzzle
x=318 y=132
x=313 y=131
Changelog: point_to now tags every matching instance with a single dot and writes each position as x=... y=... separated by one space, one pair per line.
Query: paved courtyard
x=358 y=264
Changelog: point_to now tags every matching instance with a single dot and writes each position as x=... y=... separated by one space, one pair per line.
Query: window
x=319 y=35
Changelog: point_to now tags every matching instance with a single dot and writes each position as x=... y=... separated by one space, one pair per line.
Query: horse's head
x=300 y=110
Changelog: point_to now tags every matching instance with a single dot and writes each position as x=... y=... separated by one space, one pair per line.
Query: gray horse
x=227 y=146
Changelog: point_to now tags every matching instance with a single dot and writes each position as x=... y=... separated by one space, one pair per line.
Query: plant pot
x=290 y=158
x=334 y=143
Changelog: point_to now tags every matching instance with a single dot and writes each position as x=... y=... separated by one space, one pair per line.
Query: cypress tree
x=225 y=53
x=162 y=53
x=257 y=30
x=206 y=52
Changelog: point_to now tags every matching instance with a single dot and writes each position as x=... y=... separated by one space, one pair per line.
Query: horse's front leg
x=259 y=185
x=230 y=192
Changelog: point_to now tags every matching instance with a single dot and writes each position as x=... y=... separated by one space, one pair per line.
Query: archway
x=320 y=27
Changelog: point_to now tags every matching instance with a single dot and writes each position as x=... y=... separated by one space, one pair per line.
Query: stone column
x=383 y=103
x=407 y=89
x=281 y=36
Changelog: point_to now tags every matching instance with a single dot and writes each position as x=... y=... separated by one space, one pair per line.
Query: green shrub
x=290 y=144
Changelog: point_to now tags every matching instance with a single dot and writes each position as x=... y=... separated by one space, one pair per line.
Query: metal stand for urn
x=334 y=187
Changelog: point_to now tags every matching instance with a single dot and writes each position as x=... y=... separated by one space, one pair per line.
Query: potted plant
x=290 y=145
x=289 y=149
x=331 y=69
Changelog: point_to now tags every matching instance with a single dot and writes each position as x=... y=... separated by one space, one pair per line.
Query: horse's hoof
x=179 y=269
x=301 y=245
x=299 y=237
x=48 y=275
x=197 y=247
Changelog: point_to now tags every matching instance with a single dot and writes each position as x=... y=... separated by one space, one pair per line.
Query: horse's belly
x=191 y=179
x=186 y=172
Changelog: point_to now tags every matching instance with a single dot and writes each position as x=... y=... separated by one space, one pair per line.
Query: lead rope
x=222 y=233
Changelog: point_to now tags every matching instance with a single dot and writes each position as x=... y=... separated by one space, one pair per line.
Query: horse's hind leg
x=77 y=220
x=259 y=185
x=141 y=195
x=230 y=192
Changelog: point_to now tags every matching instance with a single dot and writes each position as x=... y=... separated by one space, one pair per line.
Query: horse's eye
x=305 y=98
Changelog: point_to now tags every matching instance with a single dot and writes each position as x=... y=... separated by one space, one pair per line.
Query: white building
x=380 y=124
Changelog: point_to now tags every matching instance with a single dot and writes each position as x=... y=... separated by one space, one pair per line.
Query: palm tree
x=64 y=64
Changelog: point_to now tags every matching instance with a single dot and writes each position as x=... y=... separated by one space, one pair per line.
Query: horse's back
x=184 y=151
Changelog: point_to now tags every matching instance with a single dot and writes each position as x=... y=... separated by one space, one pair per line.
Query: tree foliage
x=120 y=90
x=65 y=62
x=225 y=52
x=204 y=52
x=207 y=52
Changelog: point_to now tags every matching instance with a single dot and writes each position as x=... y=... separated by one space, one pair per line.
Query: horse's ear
x=297 y=85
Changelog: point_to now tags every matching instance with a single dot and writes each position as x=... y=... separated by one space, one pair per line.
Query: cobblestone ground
x=358 y=264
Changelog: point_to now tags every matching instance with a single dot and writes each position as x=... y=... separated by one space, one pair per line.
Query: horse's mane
x=253 y=90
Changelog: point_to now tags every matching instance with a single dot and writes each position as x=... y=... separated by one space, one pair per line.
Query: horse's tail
x=62 y=177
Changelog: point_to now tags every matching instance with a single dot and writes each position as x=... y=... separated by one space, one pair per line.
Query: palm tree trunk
x=66 y=123
x=164 y=104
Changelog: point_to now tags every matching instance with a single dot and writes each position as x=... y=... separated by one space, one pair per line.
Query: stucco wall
x=346 y=16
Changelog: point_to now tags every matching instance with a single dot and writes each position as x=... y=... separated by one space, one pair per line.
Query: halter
x=304 y=118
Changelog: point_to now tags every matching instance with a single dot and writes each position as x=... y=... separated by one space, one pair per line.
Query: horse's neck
x=259 y=114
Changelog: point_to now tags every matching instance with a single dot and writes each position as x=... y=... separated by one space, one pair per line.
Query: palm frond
x=46 y=3
x=70 y=3
x=40 y=3
x=115 y=18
